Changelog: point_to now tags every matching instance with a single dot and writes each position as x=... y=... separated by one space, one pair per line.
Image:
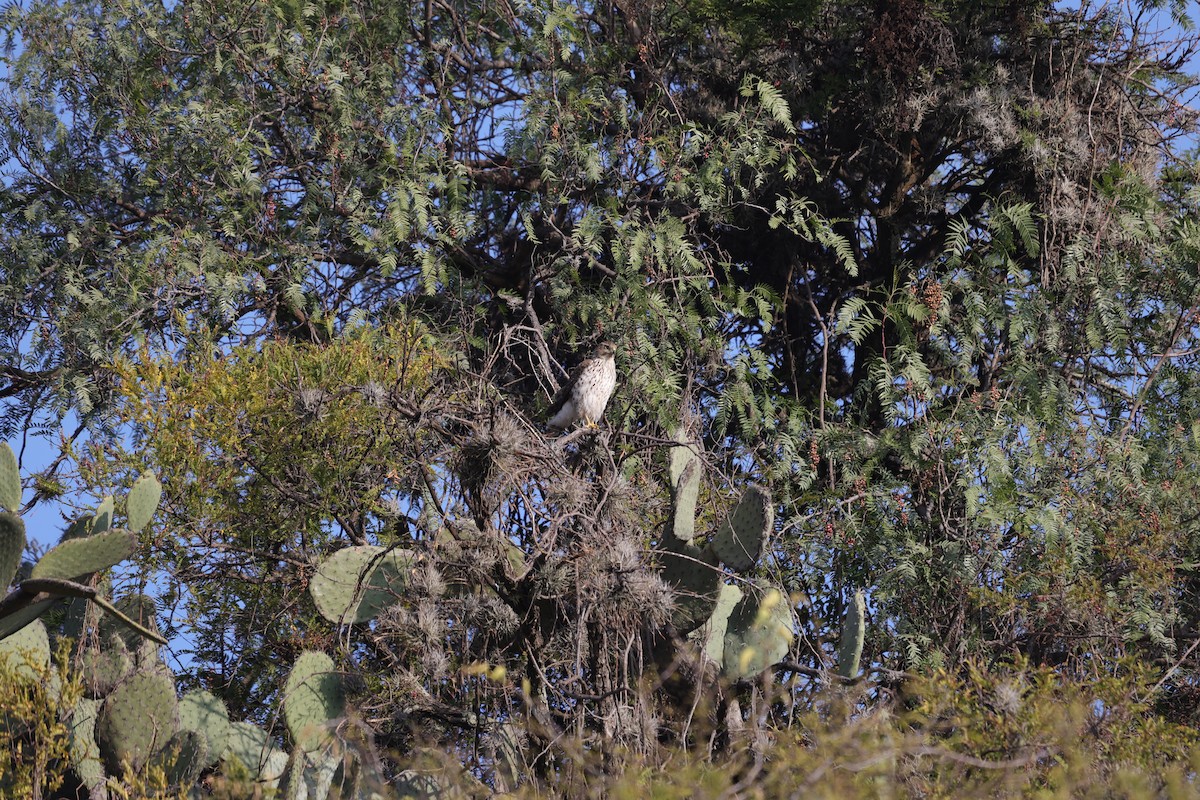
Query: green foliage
x=34 y=741
x=922 y=271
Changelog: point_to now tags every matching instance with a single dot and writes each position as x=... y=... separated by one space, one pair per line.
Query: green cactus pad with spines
x=12 y=545
x=27 y=652
x=355 y=583
x=312 y=697
x=758 y=634
x=142 y=501
x=711 y=635
x=320 y=771
x=79 y=528
x=10 y=479
x=251 y=747
x=202 y=711
x=104 y=515
x=693 y=575
x=851 y=645
x=75 y=558
x=140 y=609
x=103 y=670
x=84 y=750
x=684 y=468
x=14 y=622
x=292 y=785
x=184 y=757
x=137 y=719
x=739 y=539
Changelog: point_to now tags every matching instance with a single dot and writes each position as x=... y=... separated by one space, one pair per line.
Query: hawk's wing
x=566 y=390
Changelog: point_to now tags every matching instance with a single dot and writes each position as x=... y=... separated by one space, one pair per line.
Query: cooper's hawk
x=586 y=392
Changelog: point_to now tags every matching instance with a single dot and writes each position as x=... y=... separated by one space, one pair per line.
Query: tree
x=923 y=269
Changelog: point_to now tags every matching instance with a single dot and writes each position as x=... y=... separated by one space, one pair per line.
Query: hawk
x=586 y=392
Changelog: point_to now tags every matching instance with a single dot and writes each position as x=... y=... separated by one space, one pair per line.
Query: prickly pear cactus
x=183 y=758
x=312 y=697
x=76 y=558
x=711 y=635
x=137 y=720
x=84 y=750
x=696 y=580
x=204 y=712
x=79 y=528
x=851 y=645
x=251 y=747
x=684 y=468
x=356 y=583
x=12 y=545
x=142 y=501
x=27 y=652
x=103 y=670
x=10 y=480
x=104 y=514
x=738 y=541
x=758 y=634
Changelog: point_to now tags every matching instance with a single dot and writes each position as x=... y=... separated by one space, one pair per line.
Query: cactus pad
x=851 y=644
x=202 y=711
x=759 y=633
x=103 y=670
x=27 y=652
x=712 y=634
x=137 y=719
x=312 y=697
x=184 y=757
x=684 y=468
x=250 y=746
x=142 y=501
x=693 y=575
x=356 y=583
x=739 y=539
x=104 y=515
x=12 y=545
x=10 y=479
x=84 y=751
x=75 y=558
x=79 y=528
